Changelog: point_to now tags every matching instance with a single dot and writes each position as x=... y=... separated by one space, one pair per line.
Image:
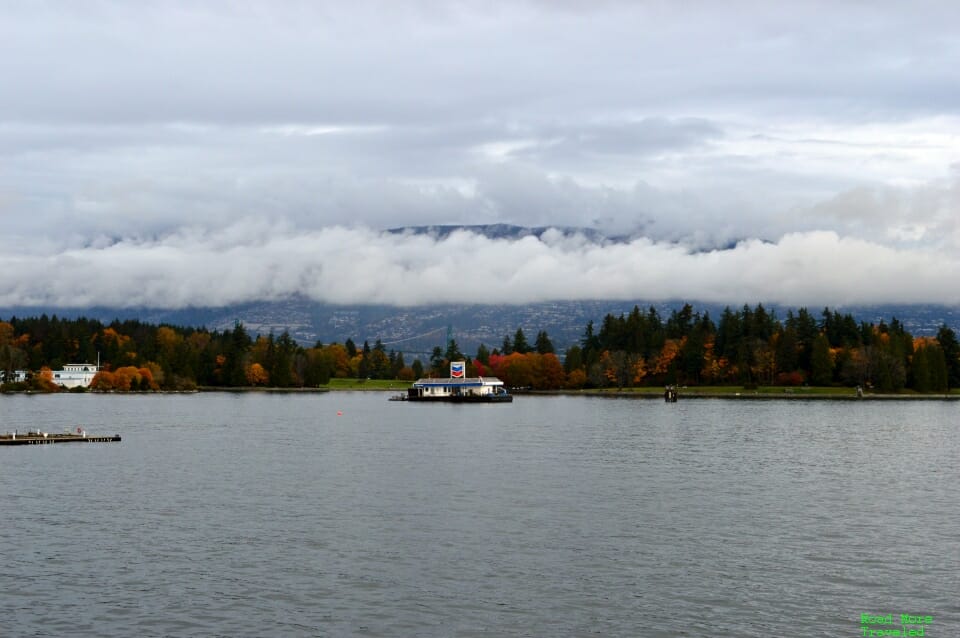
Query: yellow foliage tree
x=256 y=375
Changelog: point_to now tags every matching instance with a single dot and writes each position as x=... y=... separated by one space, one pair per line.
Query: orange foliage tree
x=548 y=371
x=669 y=352
x=256 y=375
x=125 y=379
x=103 y=381
x=576 y=379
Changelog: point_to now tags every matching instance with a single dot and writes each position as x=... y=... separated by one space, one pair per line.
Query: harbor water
x=344 y=514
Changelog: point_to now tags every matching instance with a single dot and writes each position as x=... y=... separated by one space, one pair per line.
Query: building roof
x=460 y=383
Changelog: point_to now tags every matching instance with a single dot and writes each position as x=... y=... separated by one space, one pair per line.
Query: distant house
x=16 y=376
x=74 y=375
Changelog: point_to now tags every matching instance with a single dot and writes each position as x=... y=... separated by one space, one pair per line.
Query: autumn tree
x=547 y=371
x=11 y=359
x=256 y=375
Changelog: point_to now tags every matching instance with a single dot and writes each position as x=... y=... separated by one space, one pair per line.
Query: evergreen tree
x=938 y=368
x=680 y=322
x=787 y=350
x=543 y=344
x=363 y=370
x=396 y=364
x=691 y=357
x=951 y=354
x=729 y=334
x=920 y=370
x=591 y=345
x=520 y=342
x=821 y=366
x=806 y=328
x=453 y=352
x=483 y=355
x=437 y=362
x=573 y=360
x=281 y=373
x=239 y=340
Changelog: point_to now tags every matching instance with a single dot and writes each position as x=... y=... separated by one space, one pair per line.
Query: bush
x=794 y=378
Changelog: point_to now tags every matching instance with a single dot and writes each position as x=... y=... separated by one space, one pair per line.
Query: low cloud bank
x=249 y=261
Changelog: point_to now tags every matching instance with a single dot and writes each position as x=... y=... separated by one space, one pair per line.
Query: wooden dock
x=46 y=438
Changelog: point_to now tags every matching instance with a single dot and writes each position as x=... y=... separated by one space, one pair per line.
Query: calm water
x=257 y=515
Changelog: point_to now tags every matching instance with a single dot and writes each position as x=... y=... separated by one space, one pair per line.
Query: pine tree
x=520 y=342
x=951 y=354
x=821 y=366
x=921 y=370
x=483 y=355
x=543 y=344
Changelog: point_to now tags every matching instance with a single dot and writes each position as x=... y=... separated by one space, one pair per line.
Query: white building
x=75 y=375
x=16 y=376
x=459 y=388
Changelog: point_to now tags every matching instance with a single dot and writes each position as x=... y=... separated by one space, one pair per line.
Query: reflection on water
x=251 y=515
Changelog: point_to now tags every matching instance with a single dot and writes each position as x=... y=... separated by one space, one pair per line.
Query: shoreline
x=826 y=394
x=746 y=395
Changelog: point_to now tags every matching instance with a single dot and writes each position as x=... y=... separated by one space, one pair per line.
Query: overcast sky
x=206 y=153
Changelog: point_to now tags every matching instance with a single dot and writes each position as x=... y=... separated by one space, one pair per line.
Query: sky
x=211 y=153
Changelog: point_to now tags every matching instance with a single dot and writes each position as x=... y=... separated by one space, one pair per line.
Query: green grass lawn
x=367 y=384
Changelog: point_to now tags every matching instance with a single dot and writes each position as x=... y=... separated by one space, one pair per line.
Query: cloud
x=154 y=135
x=249 y=261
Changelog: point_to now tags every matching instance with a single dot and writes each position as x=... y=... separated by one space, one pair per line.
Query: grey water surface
x=344 y=514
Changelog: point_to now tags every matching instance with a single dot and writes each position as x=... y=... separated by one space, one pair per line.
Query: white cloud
x=140 y=131
x=357 y=266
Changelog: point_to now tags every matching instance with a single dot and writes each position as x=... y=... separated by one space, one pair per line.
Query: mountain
x=416 y=331
x=504 y=231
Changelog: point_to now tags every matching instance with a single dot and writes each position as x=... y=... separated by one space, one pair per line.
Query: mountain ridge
x=417 y=330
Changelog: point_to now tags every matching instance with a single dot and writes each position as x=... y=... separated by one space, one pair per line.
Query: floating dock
x=46 y=438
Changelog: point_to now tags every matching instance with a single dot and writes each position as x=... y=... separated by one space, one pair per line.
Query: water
x=254 y=515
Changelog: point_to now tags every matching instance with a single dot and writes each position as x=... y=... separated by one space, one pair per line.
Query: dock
x=46 y=438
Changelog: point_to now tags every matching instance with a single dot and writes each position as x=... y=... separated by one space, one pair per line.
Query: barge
x=36 y=437
x=459 y=388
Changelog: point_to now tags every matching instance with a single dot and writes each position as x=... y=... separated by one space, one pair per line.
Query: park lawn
x=367 y=384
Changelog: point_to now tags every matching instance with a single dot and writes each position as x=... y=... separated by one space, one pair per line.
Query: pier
x=46 y=438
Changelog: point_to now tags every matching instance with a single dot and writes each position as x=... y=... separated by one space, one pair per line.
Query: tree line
x=748 y=347
x=752 y=347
